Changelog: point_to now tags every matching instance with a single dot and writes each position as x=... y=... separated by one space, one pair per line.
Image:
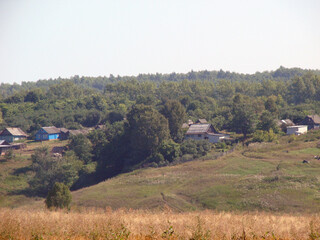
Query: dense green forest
x=143 y=116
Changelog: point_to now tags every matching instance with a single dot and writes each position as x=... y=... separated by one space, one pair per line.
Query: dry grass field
x=139 y=224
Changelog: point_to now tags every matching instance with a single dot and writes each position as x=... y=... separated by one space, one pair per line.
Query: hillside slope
x=267 y=176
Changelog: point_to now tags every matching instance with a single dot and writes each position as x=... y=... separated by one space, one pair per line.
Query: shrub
x=59 y=196
x=264 y=136
x=197 y=148
x=170 y=150
x=9 y=155
x=292 y=138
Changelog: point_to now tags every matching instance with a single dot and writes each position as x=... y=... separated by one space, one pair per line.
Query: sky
x=42 y=39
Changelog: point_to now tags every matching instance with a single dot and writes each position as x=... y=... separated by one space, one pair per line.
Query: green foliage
x=82 y=147
x=49 y=170
x=197 y=148
x=170 y=150
x=9 y=155
x=59 y=196
x=148 y=129
x=292 y=138
x=157 y=160
x=264 y=136
x=244 y=115
x=175 y=113
x=267 y=122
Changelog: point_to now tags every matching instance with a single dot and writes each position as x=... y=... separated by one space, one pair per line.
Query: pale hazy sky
x=42 y=39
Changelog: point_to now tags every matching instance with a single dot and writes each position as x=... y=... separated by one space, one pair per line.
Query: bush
x=197 y=148
x=264 y=136
x=9 y=155
x=157 y=160
x=59 y=197
x=170 y=150
x=292 y=138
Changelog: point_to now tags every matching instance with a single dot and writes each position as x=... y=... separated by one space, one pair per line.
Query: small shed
x=190 y=122
x=100 y=127
x=12 y=134
x=297 y=130
x=4 y=146
x=185 y=126
x=201 y=121
x=48 y=133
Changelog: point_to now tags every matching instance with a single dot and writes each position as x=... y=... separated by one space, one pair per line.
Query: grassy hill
x=15 y=174
x=266 y=176
x=263 y=176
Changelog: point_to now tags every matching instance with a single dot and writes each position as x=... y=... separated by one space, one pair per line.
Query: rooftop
x=198 y=128
x=15 y=132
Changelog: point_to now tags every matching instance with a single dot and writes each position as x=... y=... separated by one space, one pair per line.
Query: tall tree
x=175 y=113
x=244 y=115
x=148 y=129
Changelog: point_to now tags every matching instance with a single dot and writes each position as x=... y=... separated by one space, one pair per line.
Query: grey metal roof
x=77 y=132
x=198 y=128
x=202 y=121
x=51 y=130
x=64 y=130
x=315 y=118
x=14 y=132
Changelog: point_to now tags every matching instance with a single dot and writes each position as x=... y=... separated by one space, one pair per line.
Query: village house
x=297 y=130
x=63 y=133
x=12 y=134
x=205 y=131
x=48 y=133
x=284 y=123
x=312 y=121
x=71 y=133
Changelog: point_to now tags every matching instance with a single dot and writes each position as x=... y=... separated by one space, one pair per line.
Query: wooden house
x=284 y=123
x=12 y=134
x=48 y=133
x=63 y=133
x=205 y=131
x=71 y=133
x=312 y=121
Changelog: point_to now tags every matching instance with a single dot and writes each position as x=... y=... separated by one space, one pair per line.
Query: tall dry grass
x=136 y=224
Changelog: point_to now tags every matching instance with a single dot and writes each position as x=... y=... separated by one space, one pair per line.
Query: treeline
x=99 y=83
x=70 y=105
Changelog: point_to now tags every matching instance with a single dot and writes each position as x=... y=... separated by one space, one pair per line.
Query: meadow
x=138 y=224
x=16 y=173
x=267 y=177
